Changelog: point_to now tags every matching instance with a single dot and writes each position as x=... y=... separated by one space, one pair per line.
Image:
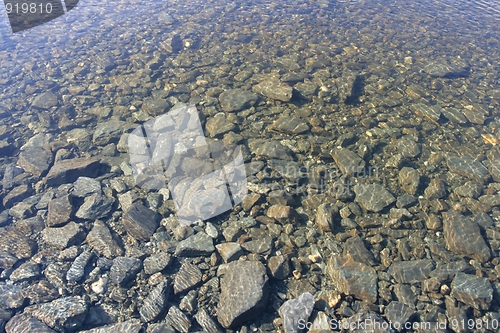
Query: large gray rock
x=124 y=269
x=463 y=237
x=35 y=160
x=140 y=222
x=156 y=302
x=398 y=312
x=178 y=320
x=270 y=149
x=95 y=206
x=63 y=314
x=155 y=107
x=325 y=216
x=290 y=125
x=197 y=245
x=297 y=310
x=373 y=197
x=109 y=132
x=206 y=322
x=411 y=271
x=408 y=147
x=187 y=277
x=45 y=101
x=102 y=242
x=274 y=89
x=236 y=99
x=129 y=326
x=244 y=292
x=62 y=237
x=468 y=167
x=472 y=290
x=22 y=323
x=353 y=278
x=348 y=162
x=67 y=171
x=11 y=296
x=16 y=242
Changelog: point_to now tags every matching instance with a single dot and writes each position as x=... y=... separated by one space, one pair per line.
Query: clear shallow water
x=367 y=60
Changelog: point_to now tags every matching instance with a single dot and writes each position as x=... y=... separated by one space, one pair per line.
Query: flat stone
x=156 y=263
x=17 y=243
x=295 y=311
x=17 y=194
x=356 y=249
x=26 y=271
x=206 y=322
x=474 y=116
x=431 y=112
x=494 y=170
x=470 y=189
x=35 y=160
x=178 y=320
x=249 y=201
x=411 y=271
x=40 y=292
x=287 y=169
x=22 y=323
x=472 y=290
x=325 y=217
x=63 y=314
x=219 y=125
x=435 y=190
x=408 y=147
x=11 y=296
x=155 y=107
x=260 y=245
x=405 y=294
x=199 y=244
x=283 y=214
x=7 y=260
x=140 y=222
x=229 y=251
x=353 y=278
x=109 y=132
x=124 y=269
x=160 y=328
x=348 y=162
x=454 y=115
x=274 y=89
x=373 y=197
x=62 y=237
x=237 y=99
x=95 y=206
x=279 y=267
x=129 y=326
x=22 y=210
x=67 y=171
x=270 y=149
x=398 y=312
x=447 y=69
x=468 y=167
x=463 y=237
x=45 y=101
x=59 y=211
x=244 y=292
x=155 y=303
x=85 y=186
x=102 y=242
x=409 y=179
x=290 y=125
x=187 y=277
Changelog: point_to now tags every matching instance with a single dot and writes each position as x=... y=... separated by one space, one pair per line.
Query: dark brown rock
x=17 y=243
x=101 y=241
x=140 y=221
x=411 y=271
x=23 y=323
x=68 y=171
x=353 y=278
x=63 y=237
x=63 y=314
x=59 y=211
x=325 y=216
x=283 y=214
x=463 y=237
x=35 y=160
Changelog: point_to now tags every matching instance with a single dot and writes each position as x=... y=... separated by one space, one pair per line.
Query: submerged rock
x=244 y=292
x=236 y=99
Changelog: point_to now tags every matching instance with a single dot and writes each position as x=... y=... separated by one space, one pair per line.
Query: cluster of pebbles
x=373 y=174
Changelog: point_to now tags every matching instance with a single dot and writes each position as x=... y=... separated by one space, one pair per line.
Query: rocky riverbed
x=370 y=149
